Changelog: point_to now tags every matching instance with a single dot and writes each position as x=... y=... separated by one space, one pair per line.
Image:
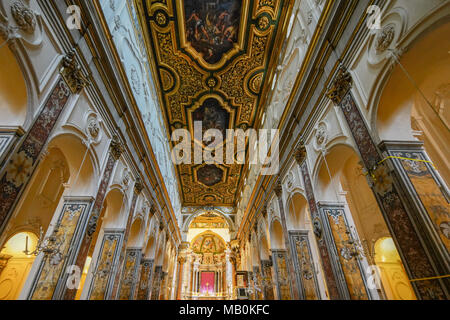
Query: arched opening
x=264 y=248
x=209 y=221
x=276 y=236
x=298 y=212
x=111 y=217
x=306 y=250
x=150 y=249
x=16 y=254
x=65 y=171
x=394 y=280
x=43 y=194
x=136 y=234
x=404 y=114
x=340 y=181
x=13 y=91
x=266 y=268
x=209 y=268
x=414 y=108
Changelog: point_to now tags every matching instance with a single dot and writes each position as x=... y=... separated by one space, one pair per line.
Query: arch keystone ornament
x=422 y=257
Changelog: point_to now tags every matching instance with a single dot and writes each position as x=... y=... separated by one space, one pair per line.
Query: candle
x=26 y=245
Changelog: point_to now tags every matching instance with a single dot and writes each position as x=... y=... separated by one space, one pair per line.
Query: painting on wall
x=212 y=27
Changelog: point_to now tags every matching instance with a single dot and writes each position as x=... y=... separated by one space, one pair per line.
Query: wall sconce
x=50 y=246
x=352 y=248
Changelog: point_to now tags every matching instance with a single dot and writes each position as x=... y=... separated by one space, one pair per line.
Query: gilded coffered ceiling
x=211 y=60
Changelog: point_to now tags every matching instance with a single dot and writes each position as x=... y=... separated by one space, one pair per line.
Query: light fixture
x=50 y=246
x=352 y=247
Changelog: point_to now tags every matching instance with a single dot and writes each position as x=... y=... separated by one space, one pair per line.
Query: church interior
x=113 y=179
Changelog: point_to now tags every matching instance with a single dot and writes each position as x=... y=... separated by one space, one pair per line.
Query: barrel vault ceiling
x=211 y=60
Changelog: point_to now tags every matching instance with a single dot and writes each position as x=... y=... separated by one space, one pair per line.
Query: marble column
x=289 y=251
x=410 y=226
x=129 y=276
x=156 y=283
x=145 y=280
x=102 y=279
x=305 y=265
x=181 y=263
x=115 y=153
x=51 y=278
x=347 y=263
x=325 y=255
x=267 y=282
x=138 y=187
x=19 y=167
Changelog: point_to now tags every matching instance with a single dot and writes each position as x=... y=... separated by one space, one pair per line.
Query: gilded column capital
x=264 y=210
x=183 y=246
x=71 y=72
x=300 y=153
x=341 y=85
x=116 y=147
x=138 y=185
x=278 y=189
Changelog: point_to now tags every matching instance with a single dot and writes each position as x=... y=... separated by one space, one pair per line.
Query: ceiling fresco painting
x=209 y=221
x=212 y=116
x=208 y=242
x=211 y=60
x=212 y=28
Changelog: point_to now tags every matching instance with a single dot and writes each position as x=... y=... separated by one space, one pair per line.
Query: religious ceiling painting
x=212 y=116
x=211 y=61
x=212 y=27
x=209 y=221
x=208 y=243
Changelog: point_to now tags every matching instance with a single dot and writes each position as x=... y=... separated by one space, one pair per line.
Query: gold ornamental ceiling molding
x=212 y=61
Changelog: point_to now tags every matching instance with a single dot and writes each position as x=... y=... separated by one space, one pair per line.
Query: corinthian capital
x=116 y=147
x=278 y=189
x=300 y=153
x=341 y=85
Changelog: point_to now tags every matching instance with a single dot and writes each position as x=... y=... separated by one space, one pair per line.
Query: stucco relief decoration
x=211 y=51
x=5 y=29
x=385 y=38
x=135 y=80
x=72 y=74
x=290 y=180
x=93 y=127
x=341 y=85
x=125 y=178
x=24 y=17
x=321 y=134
